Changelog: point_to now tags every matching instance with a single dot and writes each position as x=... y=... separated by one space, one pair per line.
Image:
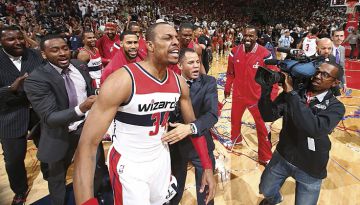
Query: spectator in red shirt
x=107 y=43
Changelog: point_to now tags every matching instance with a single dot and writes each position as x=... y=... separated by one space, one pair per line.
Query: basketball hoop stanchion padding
x=350 y=7
x=352 y=23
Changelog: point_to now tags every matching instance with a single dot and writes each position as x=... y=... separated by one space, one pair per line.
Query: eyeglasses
x=324 y=75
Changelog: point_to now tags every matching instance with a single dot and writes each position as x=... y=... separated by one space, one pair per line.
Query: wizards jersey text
x=142 y=121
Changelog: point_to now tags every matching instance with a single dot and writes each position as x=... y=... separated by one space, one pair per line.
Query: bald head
x=324 y=47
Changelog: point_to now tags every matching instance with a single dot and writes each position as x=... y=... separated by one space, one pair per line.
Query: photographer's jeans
x=274 y=176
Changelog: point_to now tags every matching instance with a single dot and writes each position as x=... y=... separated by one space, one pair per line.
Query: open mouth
x=64 y=61
x=196 y=72
x=132 y=53
x=175 y=53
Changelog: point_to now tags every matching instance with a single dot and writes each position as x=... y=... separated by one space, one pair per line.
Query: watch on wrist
x=97 y=91
x=193 y=129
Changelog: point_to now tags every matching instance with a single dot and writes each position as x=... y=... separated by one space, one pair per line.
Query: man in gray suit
x=17 y=118
x=338 y=51
x=60 y=92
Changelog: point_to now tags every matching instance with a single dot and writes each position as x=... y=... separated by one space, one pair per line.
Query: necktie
x=70 y=88
x=337 y=55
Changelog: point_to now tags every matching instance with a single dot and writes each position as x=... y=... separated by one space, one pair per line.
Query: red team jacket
x=118 y=61
x=107 y=47
x=241 y=72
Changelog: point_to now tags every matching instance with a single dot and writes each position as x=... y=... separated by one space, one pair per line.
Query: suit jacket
x=46 y=91
x=204 y=99
x=15 y=107
x=342 y=55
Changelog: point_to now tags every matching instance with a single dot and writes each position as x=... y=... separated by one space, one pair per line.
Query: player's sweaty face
x=166 y=44
x=130 y=44
x=90 y=39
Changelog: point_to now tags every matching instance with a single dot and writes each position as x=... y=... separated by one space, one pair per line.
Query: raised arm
x=198 y=50
x=97 y=122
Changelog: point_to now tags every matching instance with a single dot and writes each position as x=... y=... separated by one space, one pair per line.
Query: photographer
x=309 y=115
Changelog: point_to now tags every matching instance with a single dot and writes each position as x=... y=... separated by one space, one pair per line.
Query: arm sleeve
x=12 y=98
x=230 y=73
x=98 y=46
x=201 y=148
x=270 y=110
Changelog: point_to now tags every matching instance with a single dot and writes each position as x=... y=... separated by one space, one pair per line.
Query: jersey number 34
x=157 y=123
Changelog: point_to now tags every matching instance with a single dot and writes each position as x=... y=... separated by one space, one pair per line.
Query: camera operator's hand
x=288 y=85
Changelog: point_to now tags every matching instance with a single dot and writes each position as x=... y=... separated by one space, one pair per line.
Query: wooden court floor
x=238 y=172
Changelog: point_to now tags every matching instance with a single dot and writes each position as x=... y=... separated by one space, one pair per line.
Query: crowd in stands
x=108 y=34
x=38 y=18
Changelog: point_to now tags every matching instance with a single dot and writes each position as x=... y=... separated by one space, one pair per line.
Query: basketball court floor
x=238 y=172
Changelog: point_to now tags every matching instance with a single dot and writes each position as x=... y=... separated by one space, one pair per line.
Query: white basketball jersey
x=140 y=124
x=309 y=45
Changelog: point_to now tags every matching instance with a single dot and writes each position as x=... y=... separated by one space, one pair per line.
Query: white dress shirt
x=320 y=97
x=16 y=60
x=81 y=93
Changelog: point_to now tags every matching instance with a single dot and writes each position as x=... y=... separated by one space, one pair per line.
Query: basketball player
x=134 y=27
x=243 y=63
x=186 y=41
x=139 y=160
x=91 y=55
x=308 y=45
x=128 y=53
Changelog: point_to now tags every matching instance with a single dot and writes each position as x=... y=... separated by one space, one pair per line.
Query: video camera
x=300 y=67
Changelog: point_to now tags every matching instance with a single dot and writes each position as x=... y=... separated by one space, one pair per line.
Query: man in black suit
x=60 y=92
x=204 y=98
x=17 y=118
